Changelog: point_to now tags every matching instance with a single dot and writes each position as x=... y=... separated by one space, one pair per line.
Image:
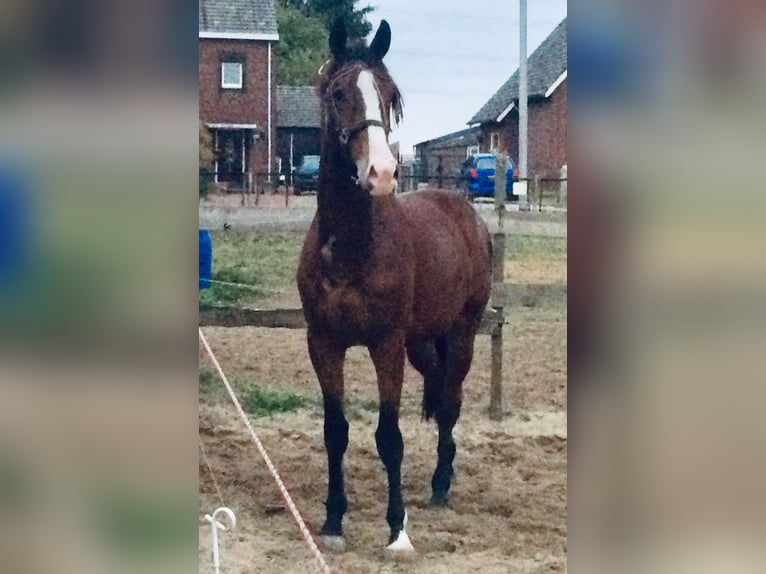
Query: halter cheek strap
x=345 y=135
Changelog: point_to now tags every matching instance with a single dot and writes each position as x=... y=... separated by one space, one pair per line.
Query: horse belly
x=437 y=304
x=452 y=280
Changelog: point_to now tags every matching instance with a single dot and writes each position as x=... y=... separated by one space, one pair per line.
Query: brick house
x=498 y=119
x=236 y=87
x=439 y=159
x=299 y=118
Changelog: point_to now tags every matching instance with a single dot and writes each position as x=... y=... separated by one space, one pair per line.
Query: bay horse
x=395 y=273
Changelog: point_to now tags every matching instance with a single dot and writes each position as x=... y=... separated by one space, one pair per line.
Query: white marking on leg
x=402 y=542
x=376 y=171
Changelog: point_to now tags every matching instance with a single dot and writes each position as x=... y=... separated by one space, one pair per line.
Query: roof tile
x=298 y=107
x=544 y=67
x=240 y=16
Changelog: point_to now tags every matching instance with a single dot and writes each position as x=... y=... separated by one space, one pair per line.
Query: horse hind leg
x=457 y=359
x=443 y=361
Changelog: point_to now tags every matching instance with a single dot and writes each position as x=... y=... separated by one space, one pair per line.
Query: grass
x=266 y=260
x=256 y=400
x=209 y=385
x=537 y=265
x=260 y=401
x=536 y=247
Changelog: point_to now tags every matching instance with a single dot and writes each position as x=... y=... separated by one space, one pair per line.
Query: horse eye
x=338 y=94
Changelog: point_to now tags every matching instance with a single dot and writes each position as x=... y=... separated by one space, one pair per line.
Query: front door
x=232 y=156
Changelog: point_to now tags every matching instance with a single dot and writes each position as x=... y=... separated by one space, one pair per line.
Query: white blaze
x=376 y=171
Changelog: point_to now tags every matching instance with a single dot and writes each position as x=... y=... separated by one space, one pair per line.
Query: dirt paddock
x=508 y=500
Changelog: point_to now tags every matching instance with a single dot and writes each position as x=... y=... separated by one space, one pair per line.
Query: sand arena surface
x=508 y=500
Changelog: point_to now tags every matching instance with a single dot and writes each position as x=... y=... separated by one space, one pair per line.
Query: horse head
x=359 y=101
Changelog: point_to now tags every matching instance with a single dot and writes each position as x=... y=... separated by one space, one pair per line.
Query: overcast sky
x=448 y=59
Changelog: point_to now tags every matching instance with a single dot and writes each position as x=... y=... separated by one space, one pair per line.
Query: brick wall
x=547 y=129
x=548 y=134
x=246 y=106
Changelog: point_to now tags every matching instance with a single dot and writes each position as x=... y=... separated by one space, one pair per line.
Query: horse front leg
x=388 y=358
x=327 y=359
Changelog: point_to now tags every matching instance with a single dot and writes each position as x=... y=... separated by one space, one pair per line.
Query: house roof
x=466 y=137
x=544 y=67
x=242 y=19
x=298 y=107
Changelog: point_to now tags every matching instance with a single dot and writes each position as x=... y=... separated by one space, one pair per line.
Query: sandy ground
x=508 y=505
x=272 y=211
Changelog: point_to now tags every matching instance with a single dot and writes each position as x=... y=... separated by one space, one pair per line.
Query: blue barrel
x=205 y=258
x=15 y=225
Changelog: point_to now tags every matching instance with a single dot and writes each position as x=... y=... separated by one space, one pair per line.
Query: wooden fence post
x=496 y=377
x=498 y=276
x=539 y=192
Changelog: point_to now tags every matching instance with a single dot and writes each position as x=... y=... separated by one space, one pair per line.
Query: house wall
x=452 y=157
x=508 y=131
x=548 y=134
x=248 y=105
x=547 y=129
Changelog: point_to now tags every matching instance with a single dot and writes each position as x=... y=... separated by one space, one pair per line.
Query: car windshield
x=310 y=162
x=489 y=163
x=485 y=163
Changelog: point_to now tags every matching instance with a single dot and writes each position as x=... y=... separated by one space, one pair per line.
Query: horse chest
x=362 y=299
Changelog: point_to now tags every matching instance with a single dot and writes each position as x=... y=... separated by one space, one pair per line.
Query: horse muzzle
x=381 y=178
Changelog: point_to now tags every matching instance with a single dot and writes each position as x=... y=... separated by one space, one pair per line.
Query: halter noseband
x=345 y=135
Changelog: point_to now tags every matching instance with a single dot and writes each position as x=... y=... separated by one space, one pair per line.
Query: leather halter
x=347 y=134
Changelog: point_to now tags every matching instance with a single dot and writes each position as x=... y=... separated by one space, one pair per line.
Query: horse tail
x=433 y=384
x=430 y=398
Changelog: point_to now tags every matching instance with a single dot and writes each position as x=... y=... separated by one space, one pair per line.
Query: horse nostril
x=372 y=172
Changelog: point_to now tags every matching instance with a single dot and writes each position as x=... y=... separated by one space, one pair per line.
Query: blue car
x=478 y=176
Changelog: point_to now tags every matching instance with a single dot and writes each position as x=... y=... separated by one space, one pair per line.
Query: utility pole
x=523 y=97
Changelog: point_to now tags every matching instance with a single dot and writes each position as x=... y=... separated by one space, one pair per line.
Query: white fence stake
x=213 y=520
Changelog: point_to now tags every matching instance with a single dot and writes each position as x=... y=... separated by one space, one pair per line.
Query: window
x=471 y=150
x=494 y=141
x=231 y=75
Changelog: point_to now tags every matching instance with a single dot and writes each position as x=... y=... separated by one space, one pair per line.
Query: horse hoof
x=440 y=501
x=401 y=548
x=333 y=543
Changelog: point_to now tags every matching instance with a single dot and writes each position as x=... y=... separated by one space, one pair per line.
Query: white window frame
x=471 y=150
x=494 y=141
x=231 y=85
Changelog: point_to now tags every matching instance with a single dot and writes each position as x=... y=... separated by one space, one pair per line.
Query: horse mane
x=359 y=54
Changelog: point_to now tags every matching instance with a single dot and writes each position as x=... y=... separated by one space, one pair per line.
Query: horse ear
x=382 y=41
x=338 y=38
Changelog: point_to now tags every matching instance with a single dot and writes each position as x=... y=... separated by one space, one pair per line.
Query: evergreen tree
x=357 y=25
x=303 y=31
x=302 y=46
